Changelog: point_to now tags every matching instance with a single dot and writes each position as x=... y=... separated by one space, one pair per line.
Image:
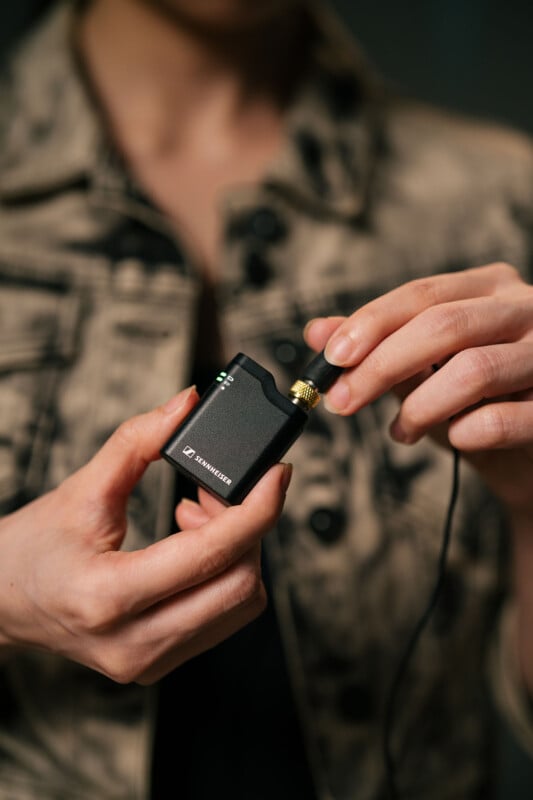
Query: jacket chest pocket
x=38 y=338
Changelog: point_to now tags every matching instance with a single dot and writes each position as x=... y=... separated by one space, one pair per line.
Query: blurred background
x=471 y=55
x=474 y=56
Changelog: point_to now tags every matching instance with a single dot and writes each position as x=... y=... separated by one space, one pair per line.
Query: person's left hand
x=477 y=326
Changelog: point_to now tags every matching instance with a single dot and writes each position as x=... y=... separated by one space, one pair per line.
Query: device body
x=241 y=426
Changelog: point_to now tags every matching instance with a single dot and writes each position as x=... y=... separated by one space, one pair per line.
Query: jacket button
x=266 y=225
x=287 y=352
x=356 y=703
x=261 y=225
x=328 y=524
x=258 y=270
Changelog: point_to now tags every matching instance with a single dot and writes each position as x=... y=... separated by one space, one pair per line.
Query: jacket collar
x=54 y=134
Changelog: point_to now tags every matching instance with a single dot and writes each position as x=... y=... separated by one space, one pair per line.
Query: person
x=179 y=181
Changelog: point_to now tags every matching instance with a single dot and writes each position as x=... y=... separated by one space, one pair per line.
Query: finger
x=493 y=426
x=120 y=463
x=191 y=557
x=190 y=515
x=470 y=377
x=210 y=504
x=208 y=637
x=319 y=330
x=203 y=620
x=432 y=336
x=149 y=645
x=369 y=325
x=403 y=389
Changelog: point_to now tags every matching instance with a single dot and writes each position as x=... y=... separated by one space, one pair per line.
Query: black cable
x=321 y=373
x=390 y=708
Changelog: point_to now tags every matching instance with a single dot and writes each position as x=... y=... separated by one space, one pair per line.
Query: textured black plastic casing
x=241 y=426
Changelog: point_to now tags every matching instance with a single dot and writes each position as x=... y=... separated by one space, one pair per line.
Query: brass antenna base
x=304 y=394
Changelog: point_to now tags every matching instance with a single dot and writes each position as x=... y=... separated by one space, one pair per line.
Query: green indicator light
x=219 y=379
x=224 y=374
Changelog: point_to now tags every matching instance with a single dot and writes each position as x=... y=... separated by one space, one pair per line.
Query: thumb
x=122 y=460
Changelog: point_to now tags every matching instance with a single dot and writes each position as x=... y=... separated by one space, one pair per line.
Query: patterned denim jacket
x=98 y=303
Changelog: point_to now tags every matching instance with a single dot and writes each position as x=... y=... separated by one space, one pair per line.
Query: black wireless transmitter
x=243 y=425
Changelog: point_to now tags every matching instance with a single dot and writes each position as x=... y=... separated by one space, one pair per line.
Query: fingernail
x=339 y=350
x=338 y=398
x=286 y=477
x=179 y=400
x=308 y=326
x=397 y=432
x=186 y=501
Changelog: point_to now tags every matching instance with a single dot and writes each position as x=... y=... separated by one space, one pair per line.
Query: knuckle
x=248 y=586
x=376 y=366
x=505 y=271
x=242 y=587
x=476 y=369
x=503 y=275
x=94 y=616
x=446 y=321
x=214 y=561
x=252 y=604
x=259 y=602
x=495 y=426
x=127 y=432
x=425 y=291
x=371 y=317
x=97 y=608
x=410 y=415
x=117 y=664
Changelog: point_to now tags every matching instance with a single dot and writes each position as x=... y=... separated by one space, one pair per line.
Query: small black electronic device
x=243 y=425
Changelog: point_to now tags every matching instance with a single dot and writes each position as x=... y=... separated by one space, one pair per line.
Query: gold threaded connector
x=304 y=393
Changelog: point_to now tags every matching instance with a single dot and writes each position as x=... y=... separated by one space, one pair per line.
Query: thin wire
x=391 y=706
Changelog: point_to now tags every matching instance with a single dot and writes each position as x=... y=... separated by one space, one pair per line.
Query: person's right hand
x=67 y=588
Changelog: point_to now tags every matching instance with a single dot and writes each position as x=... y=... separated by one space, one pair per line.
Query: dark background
x=471 y=55
x=474 y=56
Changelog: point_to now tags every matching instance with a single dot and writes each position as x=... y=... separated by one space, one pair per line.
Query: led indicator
x=224 y=379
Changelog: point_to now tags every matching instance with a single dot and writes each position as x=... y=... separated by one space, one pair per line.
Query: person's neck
x=159 y=81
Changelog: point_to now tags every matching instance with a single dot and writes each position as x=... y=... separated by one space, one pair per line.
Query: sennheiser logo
x=190 y=452
x=213 y=470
